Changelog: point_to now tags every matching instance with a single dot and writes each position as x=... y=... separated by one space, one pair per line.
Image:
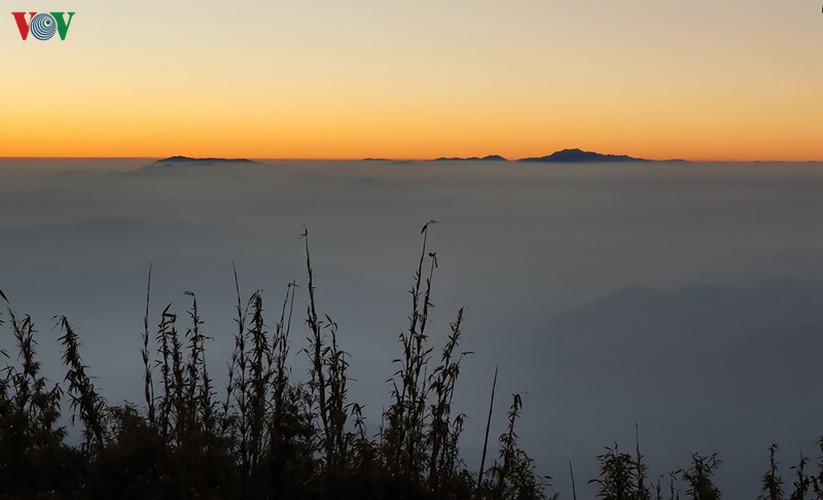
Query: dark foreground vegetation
x=269 y=434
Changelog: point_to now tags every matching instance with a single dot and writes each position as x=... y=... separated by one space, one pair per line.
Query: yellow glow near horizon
x=331 y=79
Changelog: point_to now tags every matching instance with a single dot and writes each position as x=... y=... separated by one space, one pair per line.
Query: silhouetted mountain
x=186 y=160
x=580 y=156
x=472 y=158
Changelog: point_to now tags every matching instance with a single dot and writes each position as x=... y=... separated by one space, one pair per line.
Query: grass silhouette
x=269 y=434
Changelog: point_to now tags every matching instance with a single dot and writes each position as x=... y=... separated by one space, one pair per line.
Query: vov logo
x=44 y=25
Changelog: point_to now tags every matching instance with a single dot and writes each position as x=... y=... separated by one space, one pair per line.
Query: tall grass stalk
x=90 y=405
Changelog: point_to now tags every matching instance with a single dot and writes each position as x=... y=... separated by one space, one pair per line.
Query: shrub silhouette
x=269 y=434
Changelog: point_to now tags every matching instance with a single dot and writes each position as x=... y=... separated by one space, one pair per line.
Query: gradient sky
x=697 y=79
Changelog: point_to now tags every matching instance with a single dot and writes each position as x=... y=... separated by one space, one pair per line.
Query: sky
x=701 y=80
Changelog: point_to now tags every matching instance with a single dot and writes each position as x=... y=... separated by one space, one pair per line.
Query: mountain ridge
x=472 y=158
x=579 y=156
x=209 y=160
x=572 y=155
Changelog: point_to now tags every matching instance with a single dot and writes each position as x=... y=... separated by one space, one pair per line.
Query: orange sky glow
x=735 y=81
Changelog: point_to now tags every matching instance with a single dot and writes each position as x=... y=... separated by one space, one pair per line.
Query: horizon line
x=387 y=159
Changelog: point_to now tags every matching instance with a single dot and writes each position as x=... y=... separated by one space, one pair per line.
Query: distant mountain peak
x=577 y=155
x=190 y=160
x=174 y=163
x=472 y=158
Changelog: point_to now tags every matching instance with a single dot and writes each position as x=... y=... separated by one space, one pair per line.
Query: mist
x=684 y=298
